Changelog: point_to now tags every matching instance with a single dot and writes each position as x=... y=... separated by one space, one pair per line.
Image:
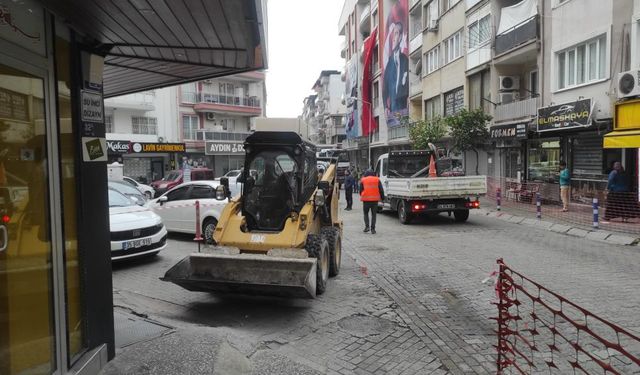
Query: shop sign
x=118 y=147
x=94 y=149
x=139 y=147
x=223 y=148
x=565 y=116
x=510 y=131
x=92 y=106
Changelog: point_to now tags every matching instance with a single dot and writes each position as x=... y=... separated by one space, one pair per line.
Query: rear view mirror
x=162 y=199
x=221 y=192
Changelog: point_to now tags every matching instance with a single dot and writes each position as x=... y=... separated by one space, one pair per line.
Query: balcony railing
x=517 y=110
x=415 y=85
x=399 y=132
x=210 y=135
x=364 y=16
x=415 y=43
x=247 y=101
x=517 y=35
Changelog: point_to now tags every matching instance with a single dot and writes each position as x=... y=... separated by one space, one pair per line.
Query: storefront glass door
x=27 y=330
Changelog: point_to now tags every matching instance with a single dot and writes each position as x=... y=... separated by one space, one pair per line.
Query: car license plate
x=444 y=206
x=136 y=243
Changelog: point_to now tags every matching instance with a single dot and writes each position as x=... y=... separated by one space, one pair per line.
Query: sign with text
x=138 y=147
x=565 y=116
x=510 y=131
x=94 y=149
x=223 y=148
x=92 y=106
x=118 y=147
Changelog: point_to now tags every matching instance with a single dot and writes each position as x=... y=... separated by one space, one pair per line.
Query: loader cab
x=283 y=178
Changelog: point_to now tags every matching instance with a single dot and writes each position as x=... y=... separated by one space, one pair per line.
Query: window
x=544 y=158
x=108 y=124
x=374 y=19
x=201 y=192
x=453 y=101
x=479 y=90
x=144 y=125
x=189 y=127
x=433 y=59
x=533 y=83
x=448 y=4
x=228 y=124
x=376 y=89
x=583 y=63
x=188 y=92
x=452 y=48
x=479 y=32
x=376 y=65
x=430 y=14
x=178 y=194
x=432 y=108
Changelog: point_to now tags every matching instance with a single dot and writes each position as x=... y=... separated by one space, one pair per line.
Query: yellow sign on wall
x=627 y=115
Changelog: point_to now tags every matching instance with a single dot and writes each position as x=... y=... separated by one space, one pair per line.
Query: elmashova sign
x=565 y=116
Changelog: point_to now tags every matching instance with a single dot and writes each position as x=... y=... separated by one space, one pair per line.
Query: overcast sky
x=303 y=40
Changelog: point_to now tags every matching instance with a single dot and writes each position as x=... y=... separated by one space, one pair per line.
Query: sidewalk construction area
x=411 y=299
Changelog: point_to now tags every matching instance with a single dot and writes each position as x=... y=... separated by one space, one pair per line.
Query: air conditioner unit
x=210 y=116
x=433 y=25
x=160 y=139
x=509 y=83
x=509 y=97
x=629 y=84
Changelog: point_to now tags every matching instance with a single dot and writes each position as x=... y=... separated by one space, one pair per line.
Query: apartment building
x=215 y=117
x=546 y=70
x=330 y=109
x=142 y=133
x=310 y=117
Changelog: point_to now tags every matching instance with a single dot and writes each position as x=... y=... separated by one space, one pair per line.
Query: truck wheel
x=403 y=215
x=332 y=235
x=318 y=248
x=461 y=215
x=208 y=229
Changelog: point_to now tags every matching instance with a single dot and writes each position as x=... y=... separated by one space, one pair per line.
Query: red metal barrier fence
x=618 y=212
x=540 y=331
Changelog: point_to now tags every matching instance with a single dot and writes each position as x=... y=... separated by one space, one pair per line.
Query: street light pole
x=368 y=135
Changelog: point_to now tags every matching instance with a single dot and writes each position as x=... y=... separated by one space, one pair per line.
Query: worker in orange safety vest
x=371 y=193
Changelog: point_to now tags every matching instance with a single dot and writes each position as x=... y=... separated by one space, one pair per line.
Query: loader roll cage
x=285 y=173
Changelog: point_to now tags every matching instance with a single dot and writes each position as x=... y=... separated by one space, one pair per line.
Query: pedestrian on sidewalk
x=620 y=202
x=565 y=185
x=371 y=193
x=349 y=183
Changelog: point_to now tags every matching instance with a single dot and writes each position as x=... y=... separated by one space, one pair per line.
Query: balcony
x=142 y=101
x=415 y=43
x=522 y=109
x=415 y=85
x=400 y=132
x=365 y=16
x=210 y=135
x=517 y=35
x=227 y=104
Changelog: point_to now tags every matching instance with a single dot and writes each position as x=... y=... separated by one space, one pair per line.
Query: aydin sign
x=223 y=148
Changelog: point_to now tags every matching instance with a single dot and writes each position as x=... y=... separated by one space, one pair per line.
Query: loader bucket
x=245 y=274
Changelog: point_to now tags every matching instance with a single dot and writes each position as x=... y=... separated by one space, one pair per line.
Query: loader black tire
x=208 y=228
x=332 y=235
x=318 y=248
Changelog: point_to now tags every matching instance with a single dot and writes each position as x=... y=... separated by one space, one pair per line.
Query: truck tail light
x=474 y=204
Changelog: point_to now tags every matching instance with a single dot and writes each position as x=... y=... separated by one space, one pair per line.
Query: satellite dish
x=418 y=68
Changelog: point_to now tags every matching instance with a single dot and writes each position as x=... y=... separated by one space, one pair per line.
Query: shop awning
x=160 y=43
x=622 y=139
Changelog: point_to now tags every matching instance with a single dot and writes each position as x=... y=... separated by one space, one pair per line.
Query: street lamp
x=369 y=135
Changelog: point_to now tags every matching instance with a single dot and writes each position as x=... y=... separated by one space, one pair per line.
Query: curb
x=593 y=235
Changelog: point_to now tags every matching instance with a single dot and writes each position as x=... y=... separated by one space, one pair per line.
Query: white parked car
x=135 y=230
x=177 y=208
x=147 y=190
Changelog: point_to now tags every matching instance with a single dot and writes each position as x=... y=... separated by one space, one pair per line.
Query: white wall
x=293 y=124
x=336 y=90
x=596 y=18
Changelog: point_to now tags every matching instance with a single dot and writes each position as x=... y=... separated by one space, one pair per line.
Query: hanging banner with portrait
x=351 y=91
x=395 y=60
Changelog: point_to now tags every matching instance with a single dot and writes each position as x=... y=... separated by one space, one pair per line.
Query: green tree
x=468 y=130
x=424 y=132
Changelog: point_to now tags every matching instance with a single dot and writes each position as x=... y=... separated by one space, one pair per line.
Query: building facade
x=329 y=108
x=215 y=116
x=545 y=70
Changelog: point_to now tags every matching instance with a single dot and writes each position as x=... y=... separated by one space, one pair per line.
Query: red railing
x=619 y=212
x=540 y=331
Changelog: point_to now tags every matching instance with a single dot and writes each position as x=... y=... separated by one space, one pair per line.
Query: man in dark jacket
x=349 y=183
x=371 y=192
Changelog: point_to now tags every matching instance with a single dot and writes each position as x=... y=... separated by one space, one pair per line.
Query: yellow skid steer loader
x=281 y=236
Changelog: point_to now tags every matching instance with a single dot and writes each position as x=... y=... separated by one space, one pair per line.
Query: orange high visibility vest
x=370 y=191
